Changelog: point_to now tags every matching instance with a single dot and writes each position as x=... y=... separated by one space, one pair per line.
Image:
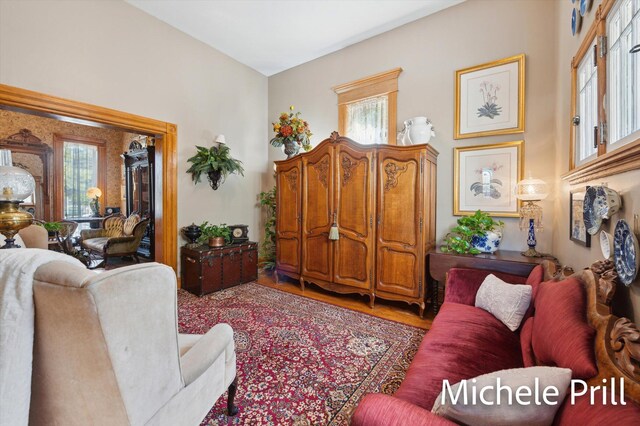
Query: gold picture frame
x=491 y=172
x=479 y=86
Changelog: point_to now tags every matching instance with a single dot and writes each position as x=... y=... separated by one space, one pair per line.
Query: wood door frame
x=166 y=246
x=58 y=167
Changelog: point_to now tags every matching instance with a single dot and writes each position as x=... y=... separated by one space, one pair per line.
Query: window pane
x=587 y=108
x=367 y=120
x=80 y=174
x=623 y=111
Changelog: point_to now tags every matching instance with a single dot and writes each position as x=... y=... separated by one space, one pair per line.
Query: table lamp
x=16 y=185
x=95 y=194
x=531 y=191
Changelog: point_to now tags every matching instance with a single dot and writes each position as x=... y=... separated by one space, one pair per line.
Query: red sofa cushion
x=585 y=414
x=526 y=334
x=463 y=284
x=561 y=334
x=383 y=410
x=534 y=279
x=463 y=342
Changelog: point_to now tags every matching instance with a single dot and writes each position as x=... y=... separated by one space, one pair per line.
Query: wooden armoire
x=382 y=199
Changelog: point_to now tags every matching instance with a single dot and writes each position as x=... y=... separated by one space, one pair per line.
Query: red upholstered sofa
x=465 y=342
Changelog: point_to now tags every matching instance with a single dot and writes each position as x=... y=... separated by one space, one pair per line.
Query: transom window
x=367 y=108
x=368 y=120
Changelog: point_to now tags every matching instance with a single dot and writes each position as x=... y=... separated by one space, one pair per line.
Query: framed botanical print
x=577 y=229
x=490 y=99
x=484 y=179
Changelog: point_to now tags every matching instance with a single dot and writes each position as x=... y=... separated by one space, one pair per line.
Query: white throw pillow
x=538 y=412
x=17 y=238
x=507 y=302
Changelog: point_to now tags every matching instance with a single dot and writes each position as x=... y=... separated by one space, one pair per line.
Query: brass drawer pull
x=191 y=260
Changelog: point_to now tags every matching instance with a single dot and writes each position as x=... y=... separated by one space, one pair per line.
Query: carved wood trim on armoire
x=382 y=199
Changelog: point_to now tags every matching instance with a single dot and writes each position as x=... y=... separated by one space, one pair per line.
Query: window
x=367 y=108
x=605 y=135
x=587 y=108
x=368 y=120
x=80 y=174
x=79 y=165
x=623 y=32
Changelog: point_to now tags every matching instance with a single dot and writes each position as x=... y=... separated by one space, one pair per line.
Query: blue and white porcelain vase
x=487 y=243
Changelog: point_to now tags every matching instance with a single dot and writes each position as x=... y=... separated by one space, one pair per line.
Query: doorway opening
x=147 y=156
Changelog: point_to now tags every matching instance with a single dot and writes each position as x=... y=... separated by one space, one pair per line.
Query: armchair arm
x=463 y=284
x=87 y=234
x=383 y=410
x=125 y=244
x=215 y=343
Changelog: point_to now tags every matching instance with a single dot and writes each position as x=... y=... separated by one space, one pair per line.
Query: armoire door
x=317 y=213
x=399 y=214
x=288 y=217
x=354 y=202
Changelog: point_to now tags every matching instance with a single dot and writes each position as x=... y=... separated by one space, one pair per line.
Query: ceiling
x=274 y=35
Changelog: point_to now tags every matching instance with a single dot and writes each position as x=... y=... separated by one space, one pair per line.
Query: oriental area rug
x=300 y=361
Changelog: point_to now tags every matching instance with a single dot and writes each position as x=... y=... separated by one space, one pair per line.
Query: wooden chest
x=205 y=269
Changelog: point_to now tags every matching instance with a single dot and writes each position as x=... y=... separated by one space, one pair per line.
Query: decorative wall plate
x=600 y=203
x=585 y=5
x=576 y=21
x=592 y=220
x=626 y=253
x=606 y=244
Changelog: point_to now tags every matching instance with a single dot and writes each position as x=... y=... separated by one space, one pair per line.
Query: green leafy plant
x=52 y=226
x=216 y=163
x=268 y=246
x=459 y=239
x=212 y=231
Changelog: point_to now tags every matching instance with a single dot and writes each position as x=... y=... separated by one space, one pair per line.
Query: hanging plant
x=216 y=163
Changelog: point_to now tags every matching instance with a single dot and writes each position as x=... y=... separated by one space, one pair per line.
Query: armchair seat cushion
x=96 y=244
x=464 y=342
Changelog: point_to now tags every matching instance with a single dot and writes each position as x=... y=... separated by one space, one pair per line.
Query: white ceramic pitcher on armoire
x=417 y=130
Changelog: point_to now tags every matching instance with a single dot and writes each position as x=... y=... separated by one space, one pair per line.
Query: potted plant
x=268 y=247
x=216 y=162
x=52 y=228
x=475 y=234
x=292 y=132
x=214 y=235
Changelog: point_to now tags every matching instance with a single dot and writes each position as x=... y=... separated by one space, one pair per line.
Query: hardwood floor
x=394 y=311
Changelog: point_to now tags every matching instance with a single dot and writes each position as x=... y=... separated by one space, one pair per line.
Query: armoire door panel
x=399 y=272
x=318 y=250
x=317 y=214
x=400 y=217
x=399 y=214
x=352 y=265
x=288 y=216
x=355 y=198
x=288 y=254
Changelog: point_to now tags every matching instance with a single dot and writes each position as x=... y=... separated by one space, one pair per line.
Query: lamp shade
x=532 y=190
x=16 y=184
x=94 y=192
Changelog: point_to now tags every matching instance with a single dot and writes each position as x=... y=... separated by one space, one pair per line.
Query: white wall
x=430 y=50
x=626 y=301
x=111 y=54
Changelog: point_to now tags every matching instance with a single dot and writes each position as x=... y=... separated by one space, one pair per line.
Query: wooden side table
x=510 y=262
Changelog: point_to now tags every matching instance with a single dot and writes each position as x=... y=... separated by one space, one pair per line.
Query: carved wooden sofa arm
x=617 y=341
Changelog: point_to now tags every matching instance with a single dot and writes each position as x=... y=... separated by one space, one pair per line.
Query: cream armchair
x=107 y=351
